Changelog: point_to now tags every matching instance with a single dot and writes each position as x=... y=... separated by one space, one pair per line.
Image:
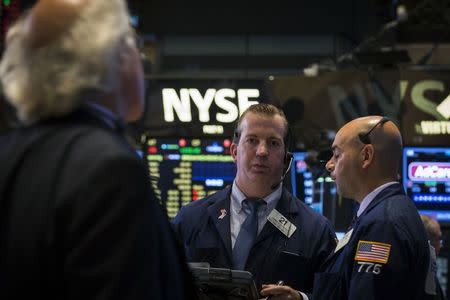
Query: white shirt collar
x=369 y=198
x=237 y=196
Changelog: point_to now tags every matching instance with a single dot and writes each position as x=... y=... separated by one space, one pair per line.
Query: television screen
x=187 y=169
x=426 y=179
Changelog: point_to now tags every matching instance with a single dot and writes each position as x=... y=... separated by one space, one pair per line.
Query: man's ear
x=367 y=154
x=233 y=151
x=132 y=82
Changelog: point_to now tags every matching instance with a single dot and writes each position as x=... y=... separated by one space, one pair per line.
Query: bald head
x=50 y=19
x=366 y=155
x=384 y=137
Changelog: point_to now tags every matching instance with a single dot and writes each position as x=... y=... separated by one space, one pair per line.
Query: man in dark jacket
x=288 y=242
x=78 y=219
x=385 y=254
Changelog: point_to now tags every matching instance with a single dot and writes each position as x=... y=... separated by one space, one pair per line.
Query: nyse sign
x=215 y=105
x=418 y=101
x=435 y=110
x=421 y=106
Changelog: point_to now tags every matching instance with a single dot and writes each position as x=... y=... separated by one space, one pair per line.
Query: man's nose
x=262 y=149
x=329 y=166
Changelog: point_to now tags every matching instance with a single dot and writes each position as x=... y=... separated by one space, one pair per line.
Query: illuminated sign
x=215 y=148
x=429 y=171
x=178 y=103
x=213 y=129
x=444 y=108
x=214 y=182
x=434 y=127
x=440 y=126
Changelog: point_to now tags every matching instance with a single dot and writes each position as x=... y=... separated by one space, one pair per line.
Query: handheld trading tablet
x=223 y=284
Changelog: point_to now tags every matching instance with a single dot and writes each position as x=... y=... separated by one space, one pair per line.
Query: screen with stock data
x=187 y=169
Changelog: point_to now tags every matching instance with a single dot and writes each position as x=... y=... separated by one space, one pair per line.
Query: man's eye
x=251 y=141
x=275 y=143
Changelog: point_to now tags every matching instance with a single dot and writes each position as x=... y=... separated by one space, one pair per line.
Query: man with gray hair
x=78 y=217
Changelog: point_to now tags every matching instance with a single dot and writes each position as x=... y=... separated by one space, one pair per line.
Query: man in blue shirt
x=279 y=238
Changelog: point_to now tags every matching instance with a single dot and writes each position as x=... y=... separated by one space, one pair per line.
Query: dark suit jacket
x=78 y=219
x=392 y=219
x=274 y=257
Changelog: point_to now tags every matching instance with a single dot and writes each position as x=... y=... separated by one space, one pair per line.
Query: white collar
x=369 y=198
x=237 y=196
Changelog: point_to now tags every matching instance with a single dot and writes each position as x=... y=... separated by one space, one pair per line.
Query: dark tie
x=247 y=233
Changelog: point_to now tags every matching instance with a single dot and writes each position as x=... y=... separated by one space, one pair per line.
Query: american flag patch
x=373 y=252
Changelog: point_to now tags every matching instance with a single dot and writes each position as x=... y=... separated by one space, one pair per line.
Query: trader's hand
x=280 y=292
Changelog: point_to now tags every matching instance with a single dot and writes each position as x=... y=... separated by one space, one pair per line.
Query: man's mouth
x=260 y=167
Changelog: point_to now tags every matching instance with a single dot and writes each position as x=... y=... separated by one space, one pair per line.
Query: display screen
x=311 y=186
x=184 y=170
x=426 y=178
x=302 y=181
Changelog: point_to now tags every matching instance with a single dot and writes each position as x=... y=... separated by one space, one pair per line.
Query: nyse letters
x=178 y=103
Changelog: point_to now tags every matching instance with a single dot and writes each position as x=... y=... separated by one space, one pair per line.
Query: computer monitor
x=187 y=169
x=302 y=181
x=426 y=179
x=314 y=187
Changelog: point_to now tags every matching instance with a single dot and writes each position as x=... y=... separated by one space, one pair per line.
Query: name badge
x=282 y=223
x=342 y=242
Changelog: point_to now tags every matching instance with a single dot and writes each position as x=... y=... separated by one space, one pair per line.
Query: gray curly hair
x=54 y=79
